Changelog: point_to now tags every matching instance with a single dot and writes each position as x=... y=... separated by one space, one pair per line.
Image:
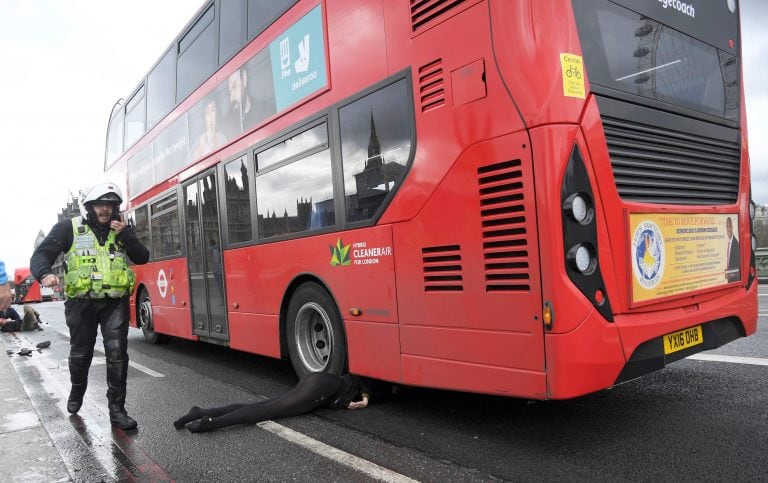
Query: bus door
x=204 y=258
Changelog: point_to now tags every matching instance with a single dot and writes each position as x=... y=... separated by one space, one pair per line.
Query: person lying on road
x=11 y=322
x=313 y=391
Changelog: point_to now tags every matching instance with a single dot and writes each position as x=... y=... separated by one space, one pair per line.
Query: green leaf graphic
x=339 y=253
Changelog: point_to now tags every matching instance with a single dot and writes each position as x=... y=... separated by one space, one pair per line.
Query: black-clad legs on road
x=84 y=316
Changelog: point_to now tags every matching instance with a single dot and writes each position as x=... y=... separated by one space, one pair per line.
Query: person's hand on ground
x=359 y=404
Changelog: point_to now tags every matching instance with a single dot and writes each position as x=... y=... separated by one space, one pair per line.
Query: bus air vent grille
x=502 y=215
x=442 y=268
x=665 y=166
x=431 y=85
x=426 y=13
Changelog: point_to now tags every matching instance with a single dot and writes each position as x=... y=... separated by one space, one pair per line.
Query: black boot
x=75 y=400
x=79 y=362
x=119 y=418
x=117 y=374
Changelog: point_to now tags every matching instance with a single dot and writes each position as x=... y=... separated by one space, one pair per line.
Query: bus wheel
x=145 y=320
x=315 y=332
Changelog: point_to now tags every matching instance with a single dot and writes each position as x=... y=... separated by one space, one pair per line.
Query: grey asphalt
x=632 y=432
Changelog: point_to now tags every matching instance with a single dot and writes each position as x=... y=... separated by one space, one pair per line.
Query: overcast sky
x=63 y=64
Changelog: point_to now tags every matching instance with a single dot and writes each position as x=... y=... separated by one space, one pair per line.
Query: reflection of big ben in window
x=376 y=178
x=238 y=204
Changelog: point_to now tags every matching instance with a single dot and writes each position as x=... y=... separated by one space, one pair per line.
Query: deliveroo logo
x=339 y=253
x=298 y=60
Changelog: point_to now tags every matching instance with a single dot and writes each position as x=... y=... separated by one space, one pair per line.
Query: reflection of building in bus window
x=373 y=181
x=211 y=138
x=238 y=201
x=375 y=146
x=732 y=253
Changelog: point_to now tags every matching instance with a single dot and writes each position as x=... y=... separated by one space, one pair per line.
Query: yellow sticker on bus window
x=573 y=75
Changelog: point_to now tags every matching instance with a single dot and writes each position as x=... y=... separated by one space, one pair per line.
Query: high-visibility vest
x=96 y=271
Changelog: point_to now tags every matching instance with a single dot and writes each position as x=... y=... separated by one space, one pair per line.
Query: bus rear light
x=579 y=212
x=579 y=207
x=599 y=297
x=582 y=259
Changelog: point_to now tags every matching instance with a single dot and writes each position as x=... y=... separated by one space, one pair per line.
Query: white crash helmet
x=105 y=191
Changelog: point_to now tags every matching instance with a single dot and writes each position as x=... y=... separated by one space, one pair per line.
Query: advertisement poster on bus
x=673 y=254
x=141 y=175
x=171 y=149
x=298 y=60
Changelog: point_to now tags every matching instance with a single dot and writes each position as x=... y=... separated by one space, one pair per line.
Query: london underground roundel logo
x=648 y=254
x=162 y=283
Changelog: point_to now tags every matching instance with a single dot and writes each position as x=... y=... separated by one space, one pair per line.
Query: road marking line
x=135 y=365
x=145 y=370
x=358 y=464
x=755 y=361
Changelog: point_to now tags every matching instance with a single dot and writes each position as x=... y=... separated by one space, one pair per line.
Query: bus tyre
x=144 y=318
x=314 y=332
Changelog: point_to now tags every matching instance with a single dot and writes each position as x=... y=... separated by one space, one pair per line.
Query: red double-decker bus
x=26 y=287
x=524 y=198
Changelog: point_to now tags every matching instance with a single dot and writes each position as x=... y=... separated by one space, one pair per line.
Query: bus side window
x=261 y=14
x=232 y=28
x=198 y=54
x=166 y=234
x=375 y=146
x=238 y=177
x=139 y=219
x=294 y=184
x=115 y=138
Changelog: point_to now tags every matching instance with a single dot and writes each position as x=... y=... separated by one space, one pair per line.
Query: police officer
x=98 y=282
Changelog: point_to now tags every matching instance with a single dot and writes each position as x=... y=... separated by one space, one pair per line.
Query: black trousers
x=84 y=317
x=312 y=391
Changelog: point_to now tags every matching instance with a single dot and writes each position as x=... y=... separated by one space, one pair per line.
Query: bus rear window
x=633 y=53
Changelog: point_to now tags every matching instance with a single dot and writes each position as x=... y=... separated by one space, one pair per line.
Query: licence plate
x=683 y=339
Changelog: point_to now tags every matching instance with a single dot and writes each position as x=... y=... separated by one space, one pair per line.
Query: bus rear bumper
x=599 y=354
x=722 y=320
x=649 y=356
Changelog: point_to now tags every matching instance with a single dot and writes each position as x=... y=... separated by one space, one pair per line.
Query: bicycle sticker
x=573 y=75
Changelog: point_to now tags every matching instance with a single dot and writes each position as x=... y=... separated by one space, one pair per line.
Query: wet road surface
x=697 y=419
